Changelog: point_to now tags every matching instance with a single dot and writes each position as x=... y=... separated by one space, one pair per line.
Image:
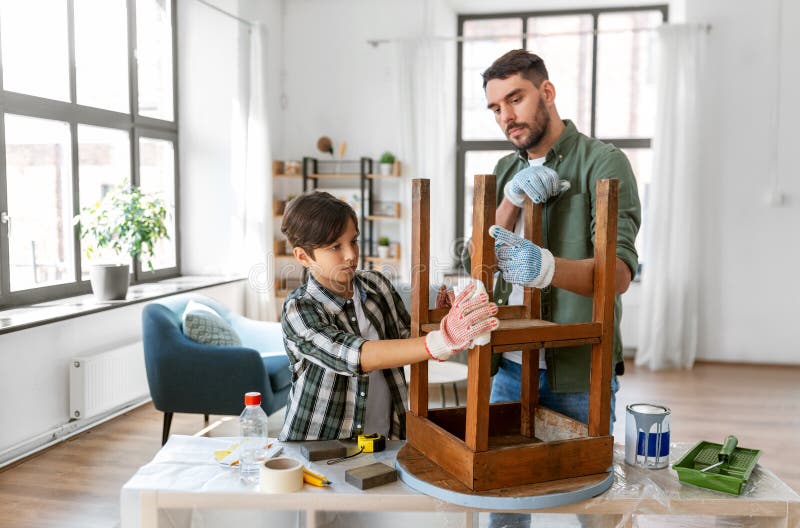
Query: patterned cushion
x=204 y=325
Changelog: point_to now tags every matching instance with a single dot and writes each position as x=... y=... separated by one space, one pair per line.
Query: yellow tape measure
x=371 y=443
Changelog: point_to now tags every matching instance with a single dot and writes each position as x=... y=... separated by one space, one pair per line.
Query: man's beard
x=537 y=129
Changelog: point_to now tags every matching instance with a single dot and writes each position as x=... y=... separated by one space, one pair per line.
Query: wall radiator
x=104 y=381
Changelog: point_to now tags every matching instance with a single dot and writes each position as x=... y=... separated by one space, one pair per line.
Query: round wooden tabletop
x=424 y=476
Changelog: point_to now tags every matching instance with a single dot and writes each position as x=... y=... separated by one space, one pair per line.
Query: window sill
x=52 y=311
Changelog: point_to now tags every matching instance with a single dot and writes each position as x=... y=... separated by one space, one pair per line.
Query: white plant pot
x=110 y=281
x=383 y=252
x=386 y=169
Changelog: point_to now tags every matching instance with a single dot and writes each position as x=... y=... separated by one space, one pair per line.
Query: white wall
x=338 y=85
x=211 y=96
x=269 y=13
x=751 y=288
x=213 y=63
x=34 y=382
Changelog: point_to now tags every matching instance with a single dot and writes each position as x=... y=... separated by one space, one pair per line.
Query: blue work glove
x=521 y=261
x=538 y=182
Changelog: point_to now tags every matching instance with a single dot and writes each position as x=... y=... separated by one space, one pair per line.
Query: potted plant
x=386 y=163
x=383 y=247
x=126 y=221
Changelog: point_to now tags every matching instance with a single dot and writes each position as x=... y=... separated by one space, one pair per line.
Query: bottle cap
x=252 y=398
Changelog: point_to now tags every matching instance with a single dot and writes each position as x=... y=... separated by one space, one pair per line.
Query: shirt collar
x=332 y=302
x=562 y=145
x=565 y=141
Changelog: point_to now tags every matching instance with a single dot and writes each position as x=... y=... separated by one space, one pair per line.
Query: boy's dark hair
x=316 y=219
x=529 y=65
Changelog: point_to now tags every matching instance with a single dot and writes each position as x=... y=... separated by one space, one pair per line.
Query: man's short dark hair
x=527 y=64
x=316 y=219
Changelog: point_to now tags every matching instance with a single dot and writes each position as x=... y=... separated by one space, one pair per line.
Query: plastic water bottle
x=253 y=429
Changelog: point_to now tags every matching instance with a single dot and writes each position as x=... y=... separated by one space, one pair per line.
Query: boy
x=346 y=331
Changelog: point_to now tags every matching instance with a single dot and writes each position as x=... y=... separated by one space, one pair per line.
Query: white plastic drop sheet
x=184 y=486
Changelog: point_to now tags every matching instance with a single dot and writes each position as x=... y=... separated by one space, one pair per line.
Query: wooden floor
x=77 y=483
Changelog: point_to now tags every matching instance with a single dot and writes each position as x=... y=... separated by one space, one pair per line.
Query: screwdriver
x=724 y=454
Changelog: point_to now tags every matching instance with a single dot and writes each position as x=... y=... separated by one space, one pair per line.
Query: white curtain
x=425 y=81
x=257 y=193
x=670 y=304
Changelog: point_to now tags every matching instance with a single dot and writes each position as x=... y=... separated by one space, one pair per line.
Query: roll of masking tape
x=281 y=475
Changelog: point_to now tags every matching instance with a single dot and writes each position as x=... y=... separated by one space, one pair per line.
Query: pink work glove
x=467 y=319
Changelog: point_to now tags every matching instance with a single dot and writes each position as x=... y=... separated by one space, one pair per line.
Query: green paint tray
x=730 y=477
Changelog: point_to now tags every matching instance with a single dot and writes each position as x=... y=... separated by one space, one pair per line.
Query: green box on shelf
x=728 y=478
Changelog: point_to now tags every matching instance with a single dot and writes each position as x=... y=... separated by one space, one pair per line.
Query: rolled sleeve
x=615 y=165
x=313 y=336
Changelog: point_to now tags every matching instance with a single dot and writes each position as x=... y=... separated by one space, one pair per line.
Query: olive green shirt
x=568 y=223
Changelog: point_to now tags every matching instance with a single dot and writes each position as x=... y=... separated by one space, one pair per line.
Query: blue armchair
x=189 y=377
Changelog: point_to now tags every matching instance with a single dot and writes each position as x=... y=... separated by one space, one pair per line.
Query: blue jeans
x=506 y=387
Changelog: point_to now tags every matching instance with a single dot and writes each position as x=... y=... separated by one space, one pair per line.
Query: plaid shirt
x=328 y=398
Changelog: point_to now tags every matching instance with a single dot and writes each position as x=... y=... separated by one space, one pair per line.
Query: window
x=39 y=187
x=154 y=31
x=101 y=54
x=157 y=175
x=88 y=102
x=104 y=162
x=600 y=63
x=35 y=32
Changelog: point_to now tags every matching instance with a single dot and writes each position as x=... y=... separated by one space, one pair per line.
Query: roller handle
x=727 y=449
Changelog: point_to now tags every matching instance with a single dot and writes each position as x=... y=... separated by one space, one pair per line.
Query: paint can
x=647 y=435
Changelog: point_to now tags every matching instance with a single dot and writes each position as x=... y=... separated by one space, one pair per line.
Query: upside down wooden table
x=185 y=486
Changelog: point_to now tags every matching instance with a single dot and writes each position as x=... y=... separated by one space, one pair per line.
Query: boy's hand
x=540 y=183
x=521 y=261
x=467 y=319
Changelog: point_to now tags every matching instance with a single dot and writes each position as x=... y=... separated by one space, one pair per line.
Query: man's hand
x=539 y=182
x=467 y=319
x=521 y=261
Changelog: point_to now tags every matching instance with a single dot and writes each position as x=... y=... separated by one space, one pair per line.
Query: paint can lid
x=647 y=408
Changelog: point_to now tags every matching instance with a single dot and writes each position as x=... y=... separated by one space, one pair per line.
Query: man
x=558 y=166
